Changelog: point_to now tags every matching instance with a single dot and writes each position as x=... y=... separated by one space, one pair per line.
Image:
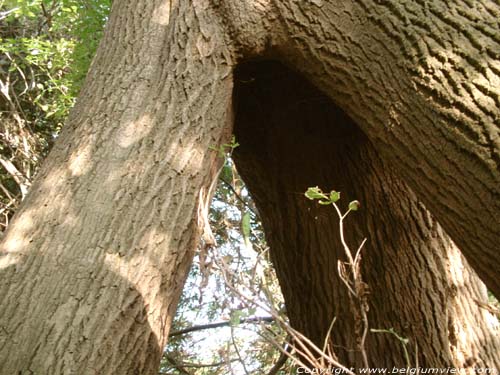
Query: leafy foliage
x=45 y=51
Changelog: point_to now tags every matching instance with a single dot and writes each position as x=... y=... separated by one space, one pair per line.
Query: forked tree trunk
x=97 y=257
x=93 y=264
x=420 y=285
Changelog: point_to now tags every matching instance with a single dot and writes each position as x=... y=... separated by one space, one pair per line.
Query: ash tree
x=394 y=103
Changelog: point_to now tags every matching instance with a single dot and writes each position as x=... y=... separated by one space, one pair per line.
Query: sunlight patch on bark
x=456 y=267
x=186 y=157
x=70 y=220
x=79 y=162
x=462 y=331
x=476 y=87
x=16 y=241
x=490 y=83
x=145 y=273
x=161 y=14
x=261 y=5
x=134 y=131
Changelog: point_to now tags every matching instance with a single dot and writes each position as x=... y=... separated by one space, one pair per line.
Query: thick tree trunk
x=422 y=80
x=420 y=285
x=93 y=265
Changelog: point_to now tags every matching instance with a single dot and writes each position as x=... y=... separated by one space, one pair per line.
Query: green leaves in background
x=46 y=47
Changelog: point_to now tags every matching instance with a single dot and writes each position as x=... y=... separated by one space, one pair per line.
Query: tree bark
x=420 y=285
x=94 y=263
x=422 y=81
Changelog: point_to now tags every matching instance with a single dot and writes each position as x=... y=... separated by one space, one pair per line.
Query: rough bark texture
x=93 y=266
x=420 y=284
x=422 y=80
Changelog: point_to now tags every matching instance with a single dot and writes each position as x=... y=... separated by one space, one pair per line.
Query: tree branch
x=239 y=197
x=179 y=366
x=282 y=359
x=179 y=332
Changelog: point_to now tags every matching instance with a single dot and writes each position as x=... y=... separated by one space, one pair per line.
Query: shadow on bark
x=120 y=340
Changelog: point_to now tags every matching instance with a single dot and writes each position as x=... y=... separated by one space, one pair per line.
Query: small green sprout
x=354 y=205
x=334 y=196
x=315 y=193
x=350 y=270
x=226 y=148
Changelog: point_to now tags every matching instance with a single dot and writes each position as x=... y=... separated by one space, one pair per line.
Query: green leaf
x=324 y=203
x=354 y=205
x=227 y=173
x=235 y=317
x=232 y=144
x=334 y=195
x=315 y=193
x=245 y=227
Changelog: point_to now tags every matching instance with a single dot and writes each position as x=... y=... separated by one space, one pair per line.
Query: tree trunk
x=420 y=285
x=422 y=81
x=94 y=263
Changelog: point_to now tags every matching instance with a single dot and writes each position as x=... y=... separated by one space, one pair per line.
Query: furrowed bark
x=422 y=80
x=93 y=265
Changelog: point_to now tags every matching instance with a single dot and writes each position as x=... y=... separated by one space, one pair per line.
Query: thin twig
x=201 y=327
x=237 y=350
x=281 y=360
